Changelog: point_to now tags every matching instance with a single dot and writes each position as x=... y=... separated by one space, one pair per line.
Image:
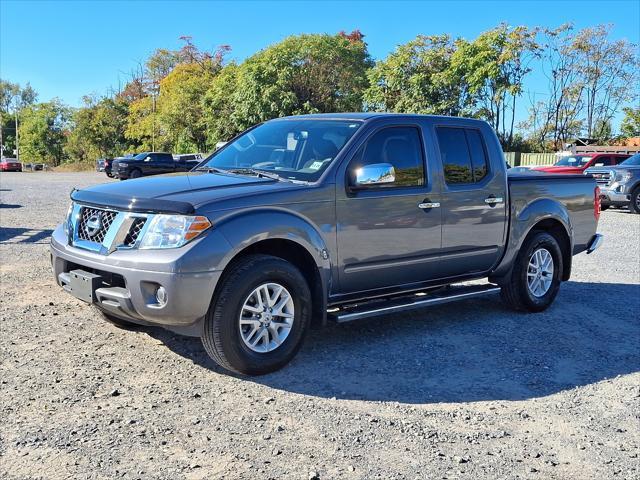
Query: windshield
x=294 y=149
x=631 y=161
x=573 y=161
x=140 y=156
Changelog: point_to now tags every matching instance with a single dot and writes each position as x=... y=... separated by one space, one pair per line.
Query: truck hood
x=612 y=167
x=175 y=193
x=554 y=169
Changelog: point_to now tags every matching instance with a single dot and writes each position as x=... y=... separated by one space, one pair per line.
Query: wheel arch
x=293 y=239
x=541 y=215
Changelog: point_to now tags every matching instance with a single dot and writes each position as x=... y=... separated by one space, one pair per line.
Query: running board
x=374 y=308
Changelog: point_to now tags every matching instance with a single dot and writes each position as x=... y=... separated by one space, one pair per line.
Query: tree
x=417 y=78
x=610 y=72
x=495 y=65
x=143 y=128
x=180 y=107
x=302 y=74
x=556 y=119
x=43 y=130
x=13 y=98
x=219 y=107
x=98 y=130
x=630 y=126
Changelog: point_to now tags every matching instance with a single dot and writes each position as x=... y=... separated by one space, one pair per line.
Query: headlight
x=623 y=176
x=67 y=220
x=123 y=165
x=173 y=231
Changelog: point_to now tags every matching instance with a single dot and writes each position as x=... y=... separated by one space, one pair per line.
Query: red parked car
x=10 y=165
x=580 y=162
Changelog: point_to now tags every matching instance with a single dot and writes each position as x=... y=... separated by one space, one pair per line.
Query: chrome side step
x=374 y=308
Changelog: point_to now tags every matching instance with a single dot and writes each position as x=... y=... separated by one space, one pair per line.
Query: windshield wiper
x=210 y=170
x=256 y=172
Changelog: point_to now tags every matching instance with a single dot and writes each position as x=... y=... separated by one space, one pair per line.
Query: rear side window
x=604 y=161
x=398 y=146
x=463 y=154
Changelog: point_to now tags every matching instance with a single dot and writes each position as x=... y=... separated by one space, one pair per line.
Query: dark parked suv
x=150 y=163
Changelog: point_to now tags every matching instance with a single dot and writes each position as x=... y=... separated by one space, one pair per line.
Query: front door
x=386 y=236
x=474 y=199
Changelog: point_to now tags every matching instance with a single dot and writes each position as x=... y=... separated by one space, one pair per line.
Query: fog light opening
x=161 y=296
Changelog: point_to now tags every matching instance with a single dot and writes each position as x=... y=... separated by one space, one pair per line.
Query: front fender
x=243 y=229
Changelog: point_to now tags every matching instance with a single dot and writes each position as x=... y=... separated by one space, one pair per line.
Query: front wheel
x=259 y=317
x=135 y=173
x=536 y=274
x=634 y=204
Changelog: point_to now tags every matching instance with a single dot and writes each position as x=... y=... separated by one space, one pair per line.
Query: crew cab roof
x=363 y=116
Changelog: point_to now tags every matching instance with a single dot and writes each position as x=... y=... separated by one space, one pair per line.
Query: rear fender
x=523 y=222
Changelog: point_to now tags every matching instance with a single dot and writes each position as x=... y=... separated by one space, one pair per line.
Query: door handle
x=493 y=200
x=427 y=205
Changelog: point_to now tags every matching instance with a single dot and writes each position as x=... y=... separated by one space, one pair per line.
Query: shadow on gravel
x=471 y=351
x=10 y=205
x=25 y=235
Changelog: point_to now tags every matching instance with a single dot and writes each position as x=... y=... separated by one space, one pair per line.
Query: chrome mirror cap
x=375 y=174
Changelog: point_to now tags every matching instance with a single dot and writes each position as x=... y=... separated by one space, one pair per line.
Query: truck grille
x=94 y=224
x=134 y=231
x=602 y=178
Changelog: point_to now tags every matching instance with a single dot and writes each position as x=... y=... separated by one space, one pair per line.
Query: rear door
x=474 y=198
x=385 y=238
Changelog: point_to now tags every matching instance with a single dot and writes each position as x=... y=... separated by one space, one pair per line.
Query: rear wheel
x=634 y=204
x=604 y=207
x=259 y=317
x=536 y=274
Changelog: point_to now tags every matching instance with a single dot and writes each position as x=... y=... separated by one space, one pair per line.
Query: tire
x=118 y=322
x=634 y=204
x=227 y=342
x=604 y=207
x=135 y=173
x=516 y=291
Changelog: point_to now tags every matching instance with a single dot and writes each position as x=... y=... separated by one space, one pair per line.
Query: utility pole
x=17 y=138
x=153 y=128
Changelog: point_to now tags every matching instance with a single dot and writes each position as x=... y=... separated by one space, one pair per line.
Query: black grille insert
x=134 y=231
x=94 y=224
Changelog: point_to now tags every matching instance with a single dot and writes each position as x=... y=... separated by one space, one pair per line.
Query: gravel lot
x=467 y=390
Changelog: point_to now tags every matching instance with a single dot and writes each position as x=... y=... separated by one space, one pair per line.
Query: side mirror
x=374 y=174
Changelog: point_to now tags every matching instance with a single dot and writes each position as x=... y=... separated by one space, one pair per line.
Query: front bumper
x=615 y=194
x=127 y=291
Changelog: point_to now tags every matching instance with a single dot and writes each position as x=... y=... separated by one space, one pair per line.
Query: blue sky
x=69 y=49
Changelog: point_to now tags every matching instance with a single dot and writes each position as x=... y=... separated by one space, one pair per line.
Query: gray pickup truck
x=307 y=219
x=619 y=184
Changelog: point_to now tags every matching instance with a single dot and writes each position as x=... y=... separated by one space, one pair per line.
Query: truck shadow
x=25 y=235
x=476 y=350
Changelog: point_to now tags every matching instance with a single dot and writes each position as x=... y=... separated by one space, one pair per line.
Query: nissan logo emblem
x=93 y=224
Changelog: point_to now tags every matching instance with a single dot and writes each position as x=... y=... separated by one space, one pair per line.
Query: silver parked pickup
x=620 y=184
x=307 y=219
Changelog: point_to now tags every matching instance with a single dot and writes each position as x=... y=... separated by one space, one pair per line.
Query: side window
x=455 y=155
x=463 y=154
x=398 y=146
x=604 y=161
x=478 y=154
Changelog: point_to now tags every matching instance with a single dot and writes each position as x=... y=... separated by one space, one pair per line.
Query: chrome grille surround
x=112 y=229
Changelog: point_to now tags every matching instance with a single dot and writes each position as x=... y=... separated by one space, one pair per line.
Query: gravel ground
x=468 y=390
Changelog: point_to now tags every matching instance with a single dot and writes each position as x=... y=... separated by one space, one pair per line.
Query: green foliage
x=143 y=129
x=301 y=74
x=630 y=126
x=181 y=104
x=42 y=132
x=417 y=78
x=219 y=106
x=97 y=130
